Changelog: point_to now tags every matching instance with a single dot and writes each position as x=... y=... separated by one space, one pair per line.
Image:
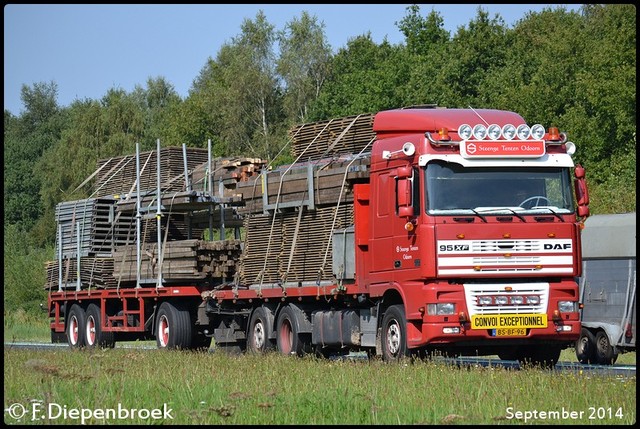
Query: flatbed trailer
x=450 y=230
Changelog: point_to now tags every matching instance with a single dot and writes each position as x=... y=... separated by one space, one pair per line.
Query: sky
x=88 y=49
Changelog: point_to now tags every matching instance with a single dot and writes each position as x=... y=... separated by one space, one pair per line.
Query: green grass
x=22 y=326
x=214 y=388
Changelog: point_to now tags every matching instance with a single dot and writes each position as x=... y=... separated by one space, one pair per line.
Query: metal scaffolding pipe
x=138 y=216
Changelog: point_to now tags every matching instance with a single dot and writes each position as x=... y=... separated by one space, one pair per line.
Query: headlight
x=537 y=132
x=484 y=300
x=523 y=131
x=443 y=308
x=517 y=300
x=494 y=131
x=479 y=132
x=501 y=300
x=533 y=300
x=567 y=306
x=464 y=131
x=509 y=132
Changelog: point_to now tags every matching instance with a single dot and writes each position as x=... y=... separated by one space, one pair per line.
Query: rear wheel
x=94 y=336
x=586 y=347
x=290 y=341
x=394 y=334
x=76 y=322
x=605 y=355
x=173 y=327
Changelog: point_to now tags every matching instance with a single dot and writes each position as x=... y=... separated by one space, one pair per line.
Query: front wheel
x=394 y=334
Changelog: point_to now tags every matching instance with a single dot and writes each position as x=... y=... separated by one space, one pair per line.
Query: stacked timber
x=320 y=183
x=317 y=140
x=291 y=247
x=117 y=175
x=91 y=227
x=226 y=171
x=95 y=273
x=180 y=261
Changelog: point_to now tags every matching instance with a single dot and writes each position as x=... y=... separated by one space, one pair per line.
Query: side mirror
x=582 y=193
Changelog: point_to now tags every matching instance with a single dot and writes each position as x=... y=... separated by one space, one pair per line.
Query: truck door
x=395 y=203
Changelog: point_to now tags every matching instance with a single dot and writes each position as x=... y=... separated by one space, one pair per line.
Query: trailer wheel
x=394 y=334
x=94 y=336
x=173 y=327
x=290 y=341
x=258 y=335
x=76 y=327
x=605 y=355
x=586 y=347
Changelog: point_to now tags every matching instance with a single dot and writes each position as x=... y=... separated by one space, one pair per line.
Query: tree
x=364 y=79
x=427 y=45
x=305 y=57
x=474 y=52
x=26 y=139
x=423 y=36
x=242 y=87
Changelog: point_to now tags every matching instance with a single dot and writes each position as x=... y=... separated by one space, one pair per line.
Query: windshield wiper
x=478 y=214
x=551 y=210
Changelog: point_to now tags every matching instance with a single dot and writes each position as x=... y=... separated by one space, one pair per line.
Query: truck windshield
x=454 y=189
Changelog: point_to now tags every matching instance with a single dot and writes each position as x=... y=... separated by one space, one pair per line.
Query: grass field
x=172 y=387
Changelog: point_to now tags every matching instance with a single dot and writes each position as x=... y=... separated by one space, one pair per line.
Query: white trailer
x=608 y=288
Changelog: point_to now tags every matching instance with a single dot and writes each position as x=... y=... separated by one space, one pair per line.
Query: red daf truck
x=462 y=236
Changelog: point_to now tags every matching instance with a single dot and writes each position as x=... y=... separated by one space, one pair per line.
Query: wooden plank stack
x=318 y=140
x=117 y=175
x=100 y=229
x=228 y=171
x=332 y=181
x=95 y=273
x=272 y=240
x=182 y=260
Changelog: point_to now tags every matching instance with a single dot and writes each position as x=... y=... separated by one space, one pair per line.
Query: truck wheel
x=290 y=341
x=394 y=334
x=94 y=336
x=173 y=327
x=258 y=335
x=76 y=327
x=586 y=347
x=605 y=355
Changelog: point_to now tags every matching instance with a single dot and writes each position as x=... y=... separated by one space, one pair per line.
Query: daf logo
x=565 y=246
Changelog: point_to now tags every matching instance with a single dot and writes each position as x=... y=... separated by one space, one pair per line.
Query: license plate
x=508 y=321
x=509 y=332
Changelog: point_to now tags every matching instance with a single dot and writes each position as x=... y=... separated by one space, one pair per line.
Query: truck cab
x=472 y=226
